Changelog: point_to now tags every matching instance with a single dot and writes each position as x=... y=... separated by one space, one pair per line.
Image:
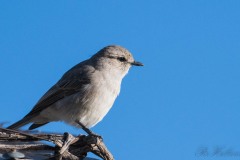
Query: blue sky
x=185 y=98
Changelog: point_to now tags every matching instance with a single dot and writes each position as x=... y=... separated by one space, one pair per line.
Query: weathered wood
x=64 y=146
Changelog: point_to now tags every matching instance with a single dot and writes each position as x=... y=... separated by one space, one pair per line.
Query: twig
x=66 y=146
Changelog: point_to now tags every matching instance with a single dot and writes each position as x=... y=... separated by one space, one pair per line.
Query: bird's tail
x=20 y=123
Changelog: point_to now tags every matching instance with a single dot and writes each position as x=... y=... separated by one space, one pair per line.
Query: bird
x=85 y=93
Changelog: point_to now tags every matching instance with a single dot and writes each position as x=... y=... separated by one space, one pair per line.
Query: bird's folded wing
x=62 y=89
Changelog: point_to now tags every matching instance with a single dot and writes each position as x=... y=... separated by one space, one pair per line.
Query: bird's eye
x=122 y=59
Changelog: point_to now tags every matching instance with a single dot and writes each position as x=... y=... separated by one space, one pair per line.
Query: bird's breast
x=98 y=99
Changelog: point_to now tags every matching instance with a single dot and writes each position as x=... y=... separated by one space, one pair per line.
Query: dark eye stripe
x=122 y=59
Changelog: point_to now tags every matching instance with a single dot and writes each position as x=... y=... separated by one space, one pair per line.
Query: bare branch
x=65 y=146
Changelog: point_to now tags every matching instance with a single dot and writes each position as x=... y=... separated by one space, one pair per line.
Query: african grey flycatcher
x=85 y=93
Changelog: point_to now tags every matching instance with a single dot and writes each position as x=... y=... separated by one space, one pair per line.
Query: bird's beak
x=135 y=63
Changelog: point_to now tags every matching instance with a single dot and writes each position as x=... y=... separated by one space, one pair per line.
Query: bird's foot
x=96 y=135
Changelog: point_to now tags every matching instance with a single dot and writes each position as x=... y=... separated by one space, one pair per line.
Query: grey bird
x=85 y=93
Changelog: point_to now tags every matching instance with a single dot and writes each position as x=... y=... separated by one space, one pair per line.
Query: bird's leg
x=87 y=130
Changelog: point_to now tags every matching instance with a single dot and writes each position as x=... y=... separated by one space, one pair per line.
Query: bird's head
x=115 y=57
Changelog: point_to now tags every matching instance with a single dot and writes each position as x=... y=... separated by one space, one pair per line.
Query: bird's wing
x=69 y=84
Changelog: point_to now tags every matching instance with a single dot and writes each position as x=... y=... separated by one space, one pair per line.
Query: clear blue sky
x=187 y=95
